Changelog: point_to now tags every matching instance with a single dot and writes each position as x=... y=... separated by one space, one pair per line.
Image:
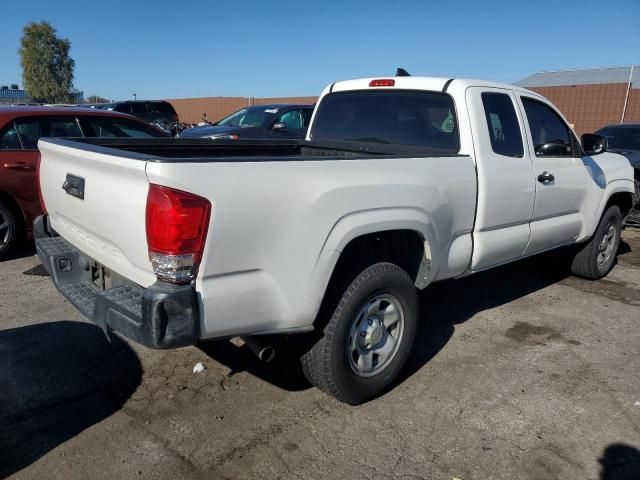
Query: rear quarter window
x=504 y=128
x=398 y=117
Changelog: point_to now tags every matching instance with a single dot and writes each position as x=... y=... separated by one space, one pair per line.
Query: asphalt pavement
x=520 y=372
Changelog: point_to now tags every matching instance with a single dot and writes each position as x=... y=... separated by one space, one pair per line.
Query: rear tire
x=596 y=258
x=9 y=230
x=368 y=336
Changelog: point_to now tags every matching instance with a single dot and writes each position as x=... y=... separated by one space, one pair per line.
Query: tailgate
x=102 y=210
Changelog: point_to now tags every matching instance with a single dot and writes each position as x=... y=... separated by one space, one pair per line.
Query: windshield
x=402 y=117
x=627 y=138
x=248 y=117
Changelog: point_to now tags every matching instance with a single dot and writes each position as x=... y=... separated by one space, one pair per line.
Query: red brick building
x=591 y=99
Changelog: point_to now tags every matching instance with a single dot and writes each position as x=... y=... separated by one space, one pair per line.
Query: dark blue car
x=275 y=121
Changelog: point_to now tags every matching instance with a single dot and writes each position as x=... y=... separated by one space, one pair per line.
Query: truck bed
x=206 y=150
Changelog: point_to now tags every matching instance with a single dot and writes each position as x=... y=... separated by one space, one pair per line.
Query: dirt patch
x=523 y=332
x=617 y=291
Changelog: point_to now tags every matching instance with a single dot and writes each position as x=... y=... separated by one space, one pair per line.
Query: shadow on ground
x=28 y=249
x=620 y=462
x=57 y=379
x=443 y=306
x=283 y=372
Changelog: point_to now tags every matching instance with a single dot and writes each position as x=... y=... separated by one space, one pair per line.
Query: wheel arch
x=376 y=235
x=618 y=192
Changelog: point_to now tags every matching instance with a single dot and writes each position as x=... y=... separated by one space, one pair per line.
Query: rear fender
x=366 y=222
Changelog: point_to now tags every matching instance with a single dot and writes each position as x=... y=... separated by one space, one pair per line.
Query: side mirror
x=279 y=126
x=553 y=149
x=593 y=144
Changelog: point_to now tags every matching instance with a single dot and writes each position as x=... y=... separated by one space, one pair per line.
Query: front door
x=561 y=177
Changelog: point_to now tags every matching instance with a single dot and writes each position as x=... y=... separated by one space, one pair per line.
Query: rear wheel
x=8 y=230
x=368 y=336
x=595 y=258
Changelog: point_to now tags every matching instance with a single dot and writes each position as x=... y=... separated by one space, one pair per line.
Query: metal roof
x=583 y=77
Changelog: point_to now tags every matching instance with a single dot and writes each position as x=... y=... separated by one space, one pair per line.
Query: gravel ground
x=521 y=372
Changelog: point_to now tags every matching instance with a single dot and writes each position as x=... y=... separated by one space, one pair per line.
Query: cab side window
x=30 y=131
x=9 y=139
x=138 y=108
x=551 y=136
x=504 y=130
x=292 y=119
x=66 y=127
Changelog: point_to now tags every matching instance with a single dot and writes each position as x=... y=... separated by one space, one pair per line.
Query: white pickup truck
x=400 y=182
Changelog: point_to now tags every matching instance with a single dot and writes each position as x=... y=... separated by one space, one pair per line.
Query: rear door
x=506 y=190
x=561 y=178
x=17 y=173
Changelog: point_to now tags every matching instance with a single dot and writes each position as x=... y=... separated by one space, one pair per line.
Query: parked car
x=156 y=112
x=20 y=129
x=625 y=139
x=401 y=182
x=277 y=121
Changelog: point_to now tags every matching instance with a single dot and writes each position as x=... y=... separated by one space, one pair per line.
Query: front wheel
x=595 y=258
x=368 y=337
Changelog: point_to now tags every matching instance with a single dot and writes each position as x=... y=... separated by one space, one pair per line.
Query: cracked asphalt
x=520 y=372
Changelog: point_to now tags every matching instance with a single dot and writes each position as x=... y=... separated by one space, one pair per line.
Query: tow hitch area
x=160 y=316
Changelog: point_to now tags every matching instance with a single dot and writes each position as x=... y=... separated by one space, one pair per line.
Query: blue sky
x=171 y=49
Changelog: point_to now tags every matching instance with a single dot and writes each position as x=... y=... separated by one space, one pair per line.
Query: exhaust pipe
x=263 y=351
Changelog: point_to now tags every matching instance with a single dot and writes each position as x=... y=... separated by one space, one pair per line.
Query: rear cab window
x=399 y=117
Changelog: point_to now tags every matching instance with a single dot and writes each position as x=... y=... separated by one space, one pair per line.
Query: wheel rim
x=607 y=243
x=375 y=335
x=5 y=230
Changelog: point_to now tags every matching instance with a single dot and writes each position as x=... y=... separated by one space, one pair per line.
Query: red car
x=20 y=129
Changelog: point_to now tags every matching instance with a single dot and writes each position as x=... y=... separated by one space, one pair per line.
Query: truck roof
x=423 y=83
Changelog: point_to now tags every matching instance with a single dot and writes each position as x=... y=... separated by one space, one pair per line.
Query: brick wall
x=190 y=110
x=590 y=107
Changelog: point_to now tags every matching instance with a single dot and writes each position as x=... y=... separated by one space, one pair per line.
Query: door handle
x=19 y=166
x=545 y=177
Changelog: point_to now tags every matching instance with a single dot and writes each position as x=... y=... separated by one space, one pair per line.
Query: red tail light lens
x=383 y=82
x=42 y=205
x=177 y=224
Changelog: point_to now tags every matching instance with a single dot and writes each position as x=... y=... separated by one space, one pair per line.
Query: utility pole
x=626 y=98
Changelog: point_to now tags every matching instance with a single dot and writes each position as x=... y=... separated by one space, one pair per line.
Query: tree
x=96 y=99
x=47 y=68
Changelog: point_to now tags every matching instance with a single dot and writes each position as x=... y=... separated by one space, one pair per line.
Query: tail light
x=42 y=205
x=177 y=224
